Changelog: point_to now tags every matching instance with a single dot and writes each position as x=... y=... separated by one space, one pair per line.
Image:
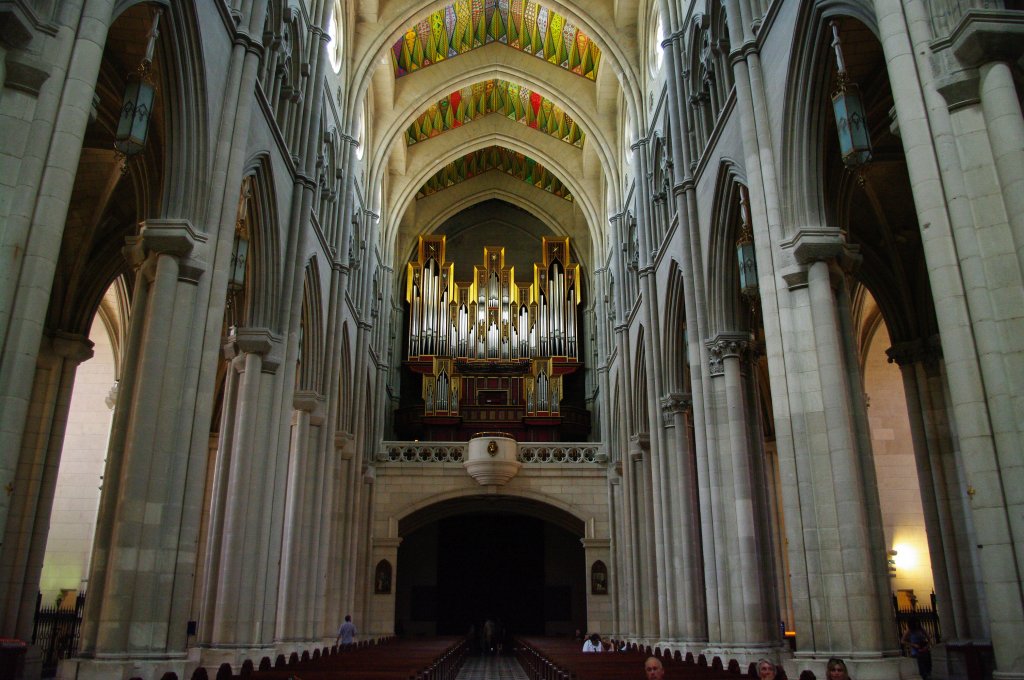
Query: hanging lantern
x=851 y=121
x=239 y=255
x=240 y=246
x=137 y=107
x=745 y=250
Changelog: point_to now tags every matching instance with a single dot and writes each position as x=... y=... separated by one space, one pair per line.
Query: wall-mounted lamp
x=851 y=121
x=137 y=107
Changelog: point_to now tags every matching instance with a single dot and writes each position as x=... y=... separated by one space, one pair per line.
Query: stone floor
x=491 y=668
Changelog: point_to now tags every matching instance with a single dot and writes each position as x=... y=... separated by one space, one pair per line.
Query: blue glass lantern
x=133 y=126
x=851 y=121
x=745 y=250
x=137 y=107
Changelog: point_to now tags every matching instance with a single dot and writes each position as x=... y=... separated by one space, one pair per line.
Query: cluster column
x=144 y=555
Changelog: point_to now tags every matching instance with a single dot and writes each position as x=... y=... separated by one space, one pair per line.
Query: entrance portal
x=523 y=573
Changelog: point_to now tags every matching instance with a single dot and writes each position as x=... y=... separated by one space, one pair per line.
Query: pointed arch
x=263 y=276
x=640 y=415
x=806 y=110
x=726 y=311
x=311 y=367
x=674 y=342
x=345 y=412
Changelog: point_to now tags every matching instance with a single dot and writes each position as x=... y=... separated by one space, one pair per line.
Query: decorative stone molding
x=527 y=453
x=491 y=458
x=639 y=445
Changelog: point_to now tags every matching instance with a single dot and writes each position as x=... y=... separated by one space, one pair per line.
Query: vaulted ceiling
x=476 y=100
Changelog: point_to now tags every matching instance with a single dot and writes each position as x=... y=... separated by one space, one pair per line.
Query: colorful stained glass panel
x=495 y=158
x=521 y=24
x=495 y=96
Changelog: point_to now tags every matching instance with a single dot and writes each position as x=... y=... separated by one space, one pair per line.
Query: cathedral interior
x=688 y=322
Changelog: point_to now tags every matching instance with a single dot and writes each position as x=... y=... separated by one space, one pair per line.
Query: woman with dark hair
x=836 y=670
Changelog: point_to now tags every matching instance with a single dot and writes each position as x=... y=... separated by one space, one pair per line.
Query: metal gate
x=55 y=632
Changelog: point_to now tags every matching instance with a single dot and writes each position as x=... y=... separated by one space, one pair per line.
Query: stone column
x=297 y=569
x=966 y=234
x=645 y=573
x=35 y=193
x=950 y=532
x=685 y=529
x=31 y=494
x=753 y=614
x=843 y=551
x=244 y=479
x=140 y=583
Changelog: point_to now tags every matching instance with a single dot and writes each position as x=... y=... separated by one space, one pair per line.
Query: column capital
x=256 y=341
x=677 y=402
x=308 y=401
x=914 y=351
x=822 y=244
x=638 y=445
x=177 y=238
x=71 y=347
x=724 y=346
x=984 y=36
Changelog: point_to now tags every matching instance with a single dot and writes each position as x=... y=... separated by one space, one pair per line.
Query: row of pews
x=563 y=659
x=391 y=659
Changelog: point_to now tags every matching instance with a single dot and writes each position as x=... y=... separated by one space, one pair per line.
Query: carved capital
x=72 y=346
x=677 y=402
x=257 y=341
x=822 y=244
x=725 y=346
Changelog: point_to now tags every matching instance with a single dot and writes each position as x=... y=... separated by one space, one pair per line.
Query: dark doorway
x=525 y=574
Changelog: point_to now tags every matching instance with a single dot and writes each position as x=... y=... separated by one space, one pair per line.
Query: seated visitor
x=593 y=644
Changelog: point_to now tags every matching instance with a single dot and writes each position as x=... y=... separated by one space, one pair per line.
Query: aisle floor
x=491 y=668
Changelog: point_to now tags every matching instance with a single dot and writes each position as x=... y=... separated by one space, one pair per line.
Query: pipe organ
x=493 y=352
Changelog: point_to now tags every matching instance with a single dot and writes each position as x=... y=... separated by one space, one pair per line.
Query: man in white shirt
x=593 y=644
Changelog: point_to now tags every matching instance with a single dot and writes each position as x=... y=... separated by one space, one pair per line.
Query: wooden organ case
x=492 y=354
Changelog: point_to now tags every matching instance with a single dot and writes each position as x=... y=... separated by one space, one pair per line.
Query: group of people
x=766 y=670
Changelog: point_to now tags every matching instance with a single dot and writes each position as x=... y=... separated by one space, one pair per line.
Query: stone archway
x=513 y=561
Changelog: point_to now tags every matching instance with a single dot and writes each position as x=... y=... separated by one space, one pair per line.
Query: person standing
x=920 y=647
x=346 y=633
